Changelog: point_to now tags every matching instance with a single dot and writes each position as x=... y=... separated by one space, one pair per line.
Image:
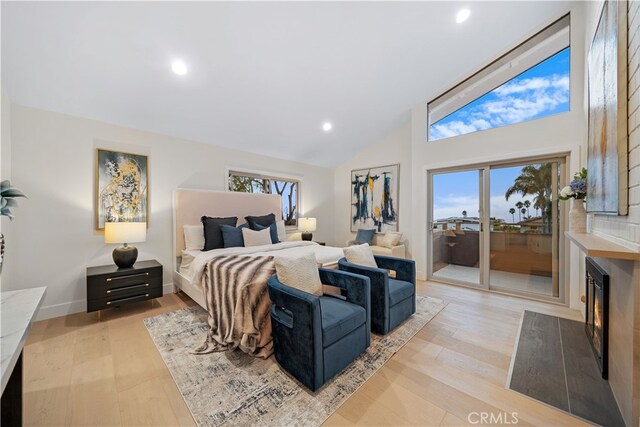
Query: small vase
x=577 y=216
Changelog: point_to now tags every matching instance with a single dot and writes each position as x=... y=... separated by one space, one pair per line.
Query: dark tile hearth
x=554 y=363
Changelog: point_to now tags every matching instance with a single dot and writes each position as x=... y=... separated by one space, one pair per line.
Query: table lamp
x=307 y=225
x=125 y=232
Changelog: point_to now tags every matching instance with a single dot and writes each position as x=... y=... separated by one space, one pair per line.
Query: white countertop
x=18 y=310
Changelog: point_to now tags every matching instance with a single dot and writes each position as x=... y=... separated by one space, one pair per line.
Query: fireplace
x=597 y=315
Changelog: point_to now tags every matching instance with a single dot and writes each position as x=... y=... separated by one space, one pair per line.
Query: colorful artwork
x=121 y=194
x=607 y=158
x=374 y=198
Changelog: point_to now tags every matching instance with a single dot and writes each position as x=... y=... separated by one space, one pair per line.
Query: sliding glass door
x=456 y=226
x=497 y=227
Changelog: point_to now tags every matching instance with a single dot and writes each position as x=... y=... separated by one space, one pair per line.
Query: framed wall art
x=121 y=187
x=374 y=198
x=608 y=157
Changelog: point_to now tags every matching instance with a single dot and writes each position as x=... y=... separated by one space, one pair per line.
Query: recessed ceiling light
x=179 y=67
x=327 y=126
x=462 y=16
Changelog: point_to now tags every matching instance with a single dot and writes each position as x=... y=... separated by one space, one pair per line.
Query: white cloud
x=512 y=102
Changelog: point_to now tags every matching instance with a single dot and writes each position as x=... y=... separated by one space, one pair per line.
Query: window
x=287 y=188
x=529 y=82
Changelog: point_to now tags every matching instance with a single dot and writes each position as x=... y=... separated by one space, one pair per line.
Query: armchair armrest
x=379 y=277
x=405 y=268
x=302 y=308
x=357 y=287
x=297 y=332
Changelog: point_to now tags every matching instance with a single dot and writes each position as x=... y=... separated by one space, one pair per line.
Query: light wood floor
x=81 y=372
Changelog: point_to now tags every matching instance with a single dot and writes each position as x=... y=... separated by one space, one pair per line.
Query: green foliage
x=7 y=201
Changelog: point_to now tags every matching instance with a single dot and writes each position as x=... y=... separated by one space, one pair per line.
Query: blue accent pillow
x=232 y=236
x=365 y=236
x=273 y=230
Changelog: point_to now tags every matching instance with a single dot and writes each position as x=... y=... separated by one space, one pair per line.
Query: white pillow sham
x=256 y=238
x=300 y=272
x=193 y=237
x=282 y=231
x=360 y=255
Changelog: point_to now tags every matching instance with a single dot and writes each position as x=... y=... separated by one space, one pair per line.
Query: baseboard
x=66 y=308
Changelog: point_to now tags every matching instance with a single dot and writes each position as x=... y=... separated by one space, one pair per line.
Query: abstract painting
x=374 y=198
x=122 y=186
x=607 y=162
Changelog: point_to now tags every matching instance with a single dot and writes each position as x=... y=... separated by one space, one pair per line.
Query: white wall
x=393 y=148
x=53 y=238
x=555 y=134
x=5 y=152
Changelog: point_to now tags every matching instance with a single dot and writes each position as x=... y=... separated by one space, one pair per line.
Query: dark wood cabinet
x=109 y=286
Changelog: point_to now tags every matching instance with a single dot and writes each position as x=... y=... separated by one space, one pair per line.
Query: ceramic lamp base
x=307 y=236
x=125 y=256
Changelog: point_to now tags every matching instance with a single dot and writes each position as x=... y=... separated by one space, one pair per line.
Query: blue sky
x=541 y=91
x=458 y=191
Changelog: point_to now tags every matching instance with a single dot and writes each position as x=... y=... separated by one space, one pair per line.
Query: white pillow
x=360 y=255
x=256 y=238
x=193 y=237
x=300 y=272
x=282 y=231
x=390 y=239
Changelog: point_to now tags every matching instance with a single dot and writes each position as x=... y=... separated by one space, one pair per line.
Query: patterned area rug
x=232 y=388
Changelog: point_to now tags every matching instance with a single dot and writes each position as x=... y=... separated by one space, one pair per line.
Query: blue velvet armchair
x=315 y=337
x=393 y=300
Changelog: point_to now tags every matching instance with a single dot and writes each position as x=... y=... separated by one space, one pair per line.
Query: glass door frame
x=559 y=219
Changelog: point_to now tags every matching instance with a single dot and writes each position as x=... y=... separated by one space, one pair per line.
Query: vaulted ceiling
x=262 y=76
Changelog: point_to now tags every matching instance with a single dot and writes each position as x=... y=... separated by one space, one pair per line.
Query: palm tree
x=512 y=211
x=535 y=180
x=523 y=211
x=527 y=204
x=519 y=205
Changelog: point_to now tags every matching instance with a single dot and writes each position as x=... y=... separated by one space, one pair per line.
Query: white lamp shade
x=307 y=224
x=125 y=232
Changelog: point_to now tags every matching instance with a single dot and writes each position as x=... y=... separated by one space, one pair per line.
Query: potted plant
x=577 y=190
x=7 y=202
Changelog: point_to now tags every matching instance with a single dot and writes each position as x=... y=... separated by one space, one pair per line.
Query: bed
x=190 y=205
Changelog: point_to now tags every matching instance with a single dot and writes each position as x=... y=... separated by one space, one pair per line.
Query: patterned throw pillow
x=300 y=272
x=360 y=255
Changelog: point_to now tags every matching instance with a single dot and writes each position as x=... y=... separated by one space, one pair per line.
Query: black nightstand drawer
x=118 y=300
x=102 y=286
x=117 y=288
x=110 y=286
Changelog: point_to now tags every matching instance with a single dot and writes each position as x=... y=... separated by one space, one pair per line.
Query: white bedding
x=194 y=262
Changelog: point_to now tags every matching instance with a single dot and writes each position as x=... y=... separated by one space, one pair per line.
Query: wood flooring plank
x=450 y=369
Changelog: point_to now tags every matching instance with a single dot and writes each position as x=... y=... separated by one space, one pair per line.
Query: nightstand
x=109 y=286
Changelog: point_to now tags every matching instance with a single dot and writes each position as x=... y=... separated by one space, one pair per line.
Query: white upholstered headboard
x=190 y=205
